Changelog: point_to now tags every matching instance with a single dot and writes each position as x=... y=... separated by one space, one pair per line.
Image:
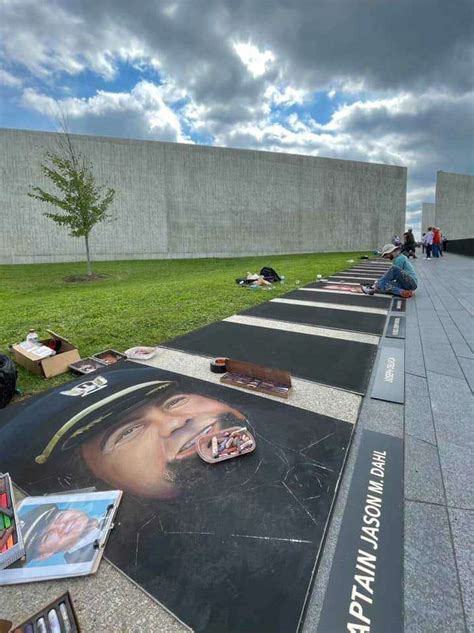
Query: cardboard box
x=52 y=365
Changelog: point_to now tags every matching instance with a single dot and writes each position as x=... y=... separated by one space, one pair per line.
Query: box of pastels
x=11 y=540
x=57 y=617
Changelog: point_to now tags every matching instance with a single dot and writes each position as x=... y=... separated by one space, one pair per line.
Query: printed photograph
x=61 y=534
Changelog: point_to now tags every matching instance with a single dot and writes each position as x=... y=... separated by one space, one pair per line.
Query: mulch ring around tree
x=93 y=277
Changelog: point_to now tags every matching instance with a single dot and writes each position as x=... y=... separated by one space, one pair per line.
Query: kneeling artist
x=400 y=279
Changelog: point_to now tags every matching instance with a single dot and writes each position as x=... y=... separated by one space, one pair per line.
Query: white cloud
x=7 y=79
x=143 y=112
x=257 y=62
x=285 y=95
x=418 y=195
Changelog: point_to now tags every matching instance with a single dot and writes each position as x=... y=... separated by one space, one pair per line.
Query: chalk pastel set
x=11 y=540
x=274 y=382
x=226 y=444
x=58 y=617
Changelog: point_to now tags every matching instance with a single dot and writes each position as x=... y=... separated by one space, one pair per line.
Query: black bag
x=269 y=274
x=8 y=375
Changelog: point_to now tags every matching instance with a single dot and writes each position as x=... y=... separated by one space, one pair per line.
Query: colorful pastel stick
x=2 y=527
x=7 y=523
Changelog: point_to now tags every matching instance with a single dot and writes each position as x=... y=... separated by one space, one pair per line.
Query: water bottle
x=32 y=336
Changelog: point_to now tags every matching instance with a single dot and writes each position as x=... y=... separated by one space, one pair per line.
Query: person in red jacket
x=437 y=242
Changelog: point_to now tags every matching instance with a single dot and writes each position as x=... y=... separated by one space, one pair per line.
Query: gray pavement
x=436 y=423
x=439 y=410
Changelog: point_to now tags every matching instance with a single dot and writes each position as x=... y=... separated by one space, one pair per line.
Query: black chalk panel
x=334 y=362
x=365 y=322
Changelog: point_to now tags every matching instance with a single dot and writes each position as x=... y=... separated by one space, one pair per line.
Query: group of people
x=433 y=242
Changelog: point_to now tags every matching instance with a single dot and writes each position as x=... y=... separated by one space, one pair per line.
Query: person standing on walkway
x=428 y=239
x=437 y=242
x=400 y=279
x=444 y=240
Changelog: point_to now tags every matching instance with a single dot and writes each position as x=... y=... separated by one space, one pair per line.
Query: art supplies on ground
x=86 y=366
x=226 y=444
x=274 y=382
x=86 y=387
x=46 y=357
x=140 y=353
x=64 y=535
x=11 y=540
x=218 y=366
x=57 y=617
x=36 y=349
x=109 y=356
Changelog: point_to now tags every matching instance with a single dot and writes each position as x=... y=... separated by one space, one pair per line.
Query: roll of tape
x=218 y=366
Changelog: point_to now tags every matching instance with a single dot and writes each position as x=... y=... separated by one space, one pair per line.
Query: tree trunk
x=89 y=265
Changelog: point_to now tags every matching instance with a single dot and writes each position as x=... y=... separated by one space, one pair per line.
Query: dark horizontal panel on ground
x=363 y=279
x=370 y=269
x=352 y=271
x=381 y=267
x=351 y=275
x=341 y=297
x=334 y=362
x=322 y=317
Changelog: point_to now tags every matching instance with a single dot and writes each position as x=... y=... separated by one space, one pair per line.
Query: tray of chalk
x=226 y=444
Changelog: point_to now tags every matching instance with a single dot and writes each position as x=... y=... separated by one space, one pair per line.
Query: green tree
x=81 y=201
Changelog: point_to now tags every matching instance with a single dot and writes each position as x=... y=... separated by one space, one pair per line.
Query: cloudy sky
x=386 y=81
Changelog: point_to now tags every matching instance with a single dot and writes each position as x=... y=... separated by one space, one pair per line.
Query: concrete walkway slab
x=432 y=594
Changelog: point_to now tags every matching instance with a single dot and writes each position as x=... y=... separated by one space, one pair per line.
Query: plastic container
x=109 y=356
x=204 y=444
x=32 y=336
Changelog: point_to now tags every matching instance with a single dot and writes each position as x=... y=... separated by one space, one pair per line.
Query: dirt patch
x=76 y=278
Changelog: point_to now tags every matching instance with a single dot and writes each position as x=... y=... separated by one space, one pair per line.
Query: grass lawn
x=141 y=303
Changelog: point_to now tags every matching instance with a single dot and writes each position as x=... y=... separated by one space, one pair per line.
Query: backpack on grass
x=8 y=375
x=269 y=274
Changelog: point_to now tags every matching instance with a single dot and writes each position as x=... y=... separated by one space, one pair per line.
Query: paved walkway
x=439 y=414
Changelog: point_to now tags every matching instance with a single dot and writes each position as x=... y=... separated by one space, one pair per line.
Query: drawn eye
x=174 y=402
x=128 y=434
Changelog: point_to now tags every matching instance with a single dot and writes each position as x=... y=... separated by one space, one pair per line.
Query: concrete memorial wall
x=455 y=210
x=427 y=215
x=184 y=201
